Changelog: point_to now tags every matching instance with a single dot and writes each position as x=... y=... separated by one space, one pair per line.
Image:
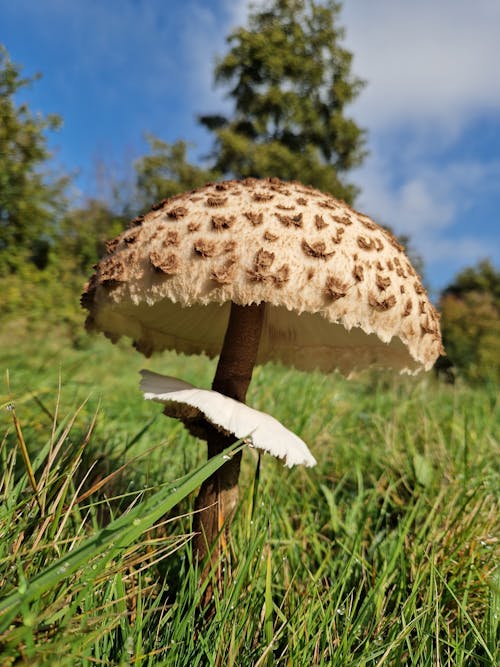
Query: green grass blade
x=109 y=541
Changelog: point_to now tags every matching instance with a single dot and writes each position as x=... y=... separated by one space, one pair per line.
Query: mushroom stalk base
x=218 y=496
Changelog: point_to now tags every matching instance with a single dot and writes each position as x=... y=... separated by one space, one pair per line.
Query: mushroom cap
x=230 y=416
x=341 y=293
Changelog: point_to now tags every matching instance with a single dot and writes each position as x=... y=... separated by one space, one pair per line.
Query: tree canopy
x=470 y=308
x=289 y=79
x=30 y=199
x=165 y=171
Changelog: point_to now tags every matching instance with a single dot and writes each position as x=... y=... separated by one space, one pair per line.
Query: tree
x=290 y=81
x=470 y=309
x=83 y=235
x=30 y=201
x=166 y=172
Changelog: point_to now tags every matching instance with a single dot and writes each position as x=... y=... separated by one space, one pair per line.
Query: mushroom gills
x=263 y=431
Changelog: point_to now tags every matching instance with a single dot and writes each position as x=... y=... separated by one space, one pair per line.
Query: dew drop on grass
x=136 y=522
x=226 y=457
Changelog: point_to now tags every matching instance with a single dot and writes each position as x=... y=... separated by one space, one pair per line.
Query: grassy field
x=384 y=554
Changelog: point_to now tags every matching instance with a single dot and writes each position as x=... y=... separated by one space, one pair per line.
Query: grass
x=384 y=554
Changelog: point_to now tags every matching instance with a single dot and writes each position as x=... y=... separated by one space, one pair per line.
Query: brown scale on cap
x=320 y=222
x=263 y=260
x=135 y=222
x=368 y=224
x=399 y=269
x=283 y=207
x=327 y=203
x=365 y=242
x=402 y=289
x=269 y=236
x=250 y=182
x=390 y=265
x=393 y=241
x=229 y=246
x=418 y=288
x=160 y=204
x=379 y=246
x=281 y=276
x=112 y=245
x=316 y=250
x=129 y=236
x=307 y=189
x=422 y=307
x=410 y=269
x=177 y=212
x=280 y=189
x=302 y=201
x=220 y=222
x=381 y=304
x=193 y=227
x=290 y=220
x=216 y=202
x=343 y=220
x=339 y=233
x=167 y=264
x=379 y=266
x=426 y=327
x=335 y=288
x=255 y=218
x=112 y=270
x=358 y=273
x=408 y=308
x=171 y=238
x=223 y=185
x=205 y=248
x=261 y=273
x=382 y=282
x=262 y=196
x=224 y=275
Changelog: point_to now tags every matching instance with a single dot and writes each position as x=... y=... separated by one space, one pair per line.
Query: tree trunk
x=218 y=496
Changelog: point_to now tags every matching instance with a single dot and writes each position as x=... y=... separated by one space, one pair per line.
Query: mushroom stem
x=218 y=496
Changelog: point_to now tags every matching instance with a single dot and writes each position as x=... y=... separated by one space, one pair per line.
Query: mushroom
x=257 y=270
x=227 y=415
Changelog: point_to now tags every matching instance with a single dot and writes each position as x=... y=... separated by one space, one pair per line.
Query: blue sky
x=116 y=69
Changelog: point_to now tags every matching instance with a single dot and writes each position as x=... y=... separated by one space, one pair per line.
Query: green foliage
x=30 y=199
x=83 y=234
x=166 y=172
x=470 y=309
x=382 y=554
x=290 y=81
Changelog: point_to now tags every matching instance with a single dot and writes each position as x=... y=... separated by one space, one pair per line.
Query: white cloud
x=424 y=60
x=466 y=250
x=426 y=196
x=433 y=204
